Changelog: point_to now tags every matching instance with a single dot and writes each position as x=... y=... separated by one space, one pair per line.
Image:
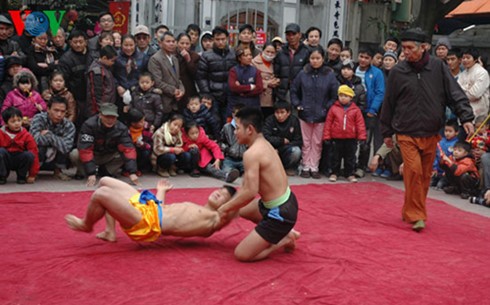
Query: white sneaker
x=352 y=179
x=332 y=178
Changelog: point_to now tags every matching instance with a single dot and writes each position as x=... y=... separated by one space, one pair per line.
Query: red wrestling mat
x=354 y=249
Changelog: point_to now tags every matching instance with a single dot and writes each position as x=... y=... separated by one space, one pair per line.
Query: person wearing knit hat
x=344 y=126
x=390 y=59
x=442 y=48
x=346 y=90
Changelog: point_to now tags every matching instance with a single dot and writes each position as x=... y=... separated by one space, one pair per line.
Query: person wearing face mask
x=264 y=63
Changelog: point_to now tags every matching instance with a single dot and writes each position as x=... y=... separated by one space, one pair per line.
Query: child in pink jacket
x=210 y=155
x=24 y=97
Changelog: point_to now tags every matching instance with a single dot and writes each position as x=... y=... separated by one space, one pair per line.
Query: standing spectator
x=313 y=36
x=106 y=22
x=344 y=126
x=55 y=137
x=377 y=60
x=24 y=97
x=347 y=77
x=442 y=47
x=74 y=66
x=334 y=47
x=312 y=93
x=475 y=81
x=143 y=38
x=264 y=62
x=194 y=32
x=453 y=60
x=57 y=88
x=157 y=36
x=278 y=43
x=166 y=71
x=392 y=44
x=42 y=59
x=290 y=61
x=390 y=59
x=101 y=87
x=245 y=39
x=206 y=42
x=345 y=54
x=283 y=131
x=104 y=146
x=213 y=71
x=128 y=68
x=373 y=80
x=188 y=61
x=245 y=82
x=8 y=47
x=59 y=41
x=18 y=150
x=415 y=113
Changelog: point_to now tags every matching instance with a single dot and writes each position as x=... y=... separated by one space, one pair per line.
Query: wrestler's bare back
x=263 y=160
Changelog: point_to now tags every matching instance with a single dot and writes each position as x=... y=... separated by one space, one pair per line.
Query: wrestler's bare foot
x=291 y=244
x=107 y=236
x=76 y=223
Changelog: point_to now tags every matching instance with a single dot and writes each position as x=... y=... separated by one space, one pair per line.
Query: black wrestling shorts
x=278 y=221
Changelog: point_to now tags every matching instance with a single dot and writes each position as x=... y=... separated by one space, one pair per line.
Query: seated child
x=24 y=97
x=210 y=155
x=148 y=100
x=18 y=149
x=283 y=131
x=344 y=126
x=460 y=171
x=141 y=137
x=446 y=143
x=200 y=114
x=168 y=153
x=207 y=100
x=481 y=141
x=229 y=145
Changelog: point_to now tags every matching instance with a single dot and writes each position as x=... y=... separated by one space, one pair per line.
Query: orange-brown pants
x=418 y=156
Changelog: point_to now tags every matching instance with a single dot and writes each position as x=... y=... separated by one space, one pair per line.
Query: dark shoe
x=21 y=181
x=449 y=189
x=78 y=177
x=305 y=174
x=195 y=173
x=418 y=226
x=316 y=175
x=395 y=177
x=465 y=196
x=3 y=180
x=232 y=175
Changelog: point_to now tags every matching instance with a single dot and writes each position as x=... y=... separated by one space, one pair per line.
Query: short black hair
x=108 y=52
x=452 y=123
x=207 y=96
x=336 y=41
x=311 y=29
x=220 y=30
x=281 y=104
x=56 y=73
x=454 y=51
x=193 y=27
x=135 y=115
x=251 y=116
x=231 y=189
x=464 y=145
x=348 y=50
x=318 y=49
x=167 y=33
x=237 y=107
x=190 y=124
x=161 y=26
x=76 y=34
x=24 y=79
x=473 y=52
x=104 y=14
x=365 y=50
x=9 y=113
x=183 y=34
x=194 y=97
x=147 y=74
x=246 y=26
x=57 y=99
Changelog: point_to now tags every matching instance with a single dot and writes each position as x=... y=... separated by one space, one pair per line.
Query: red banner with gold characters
x=120 y=11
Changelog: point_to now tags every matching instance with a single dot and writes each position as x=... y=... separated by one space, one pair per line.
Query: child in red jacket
x=18 y=150
x=210 y=155
x=344 y=126
x=461 y=171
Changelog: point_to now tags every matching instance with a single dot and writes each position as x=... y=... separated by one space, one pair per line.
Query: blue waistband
x=146 y=196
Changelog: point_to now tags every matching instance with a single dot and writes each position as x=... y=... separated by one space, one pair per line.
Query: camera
x=478 y=200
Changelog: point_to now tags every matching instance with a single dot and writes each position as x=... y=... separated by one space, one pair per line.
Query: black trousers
x=344 y=149
x=20 y=162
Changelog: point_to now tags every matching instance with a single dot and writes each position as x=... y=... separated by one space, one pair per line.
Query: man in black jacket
x=213 y=68
x=417 y=92
x=290 y=60
x=283 y=131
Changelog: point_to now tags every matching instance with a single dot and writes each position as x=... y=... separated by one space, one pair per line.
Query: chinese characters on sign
x=336 y=20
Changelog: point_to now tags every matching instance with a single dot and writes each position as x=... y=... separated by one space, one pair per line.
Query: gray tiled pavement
x=46 y=183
